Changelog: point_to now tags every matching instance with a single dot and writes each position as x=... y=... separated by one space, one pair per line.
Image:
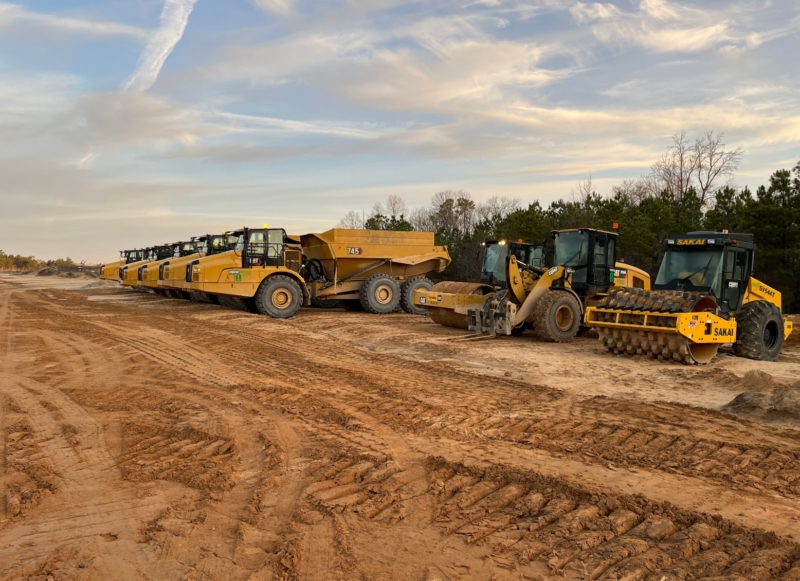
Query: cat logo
x=691 y=242
x=723 y=332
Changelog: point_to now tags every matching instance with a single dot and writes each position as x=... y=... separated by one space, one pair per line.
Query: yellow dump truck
x=274 y=274
x=372 y=270
x=111 y=270
x=175 y=275
x=131 y=274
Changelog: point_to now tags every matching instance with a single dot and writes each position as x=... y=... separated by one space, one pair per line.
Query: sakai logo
x=691 y=242
x=723 y=332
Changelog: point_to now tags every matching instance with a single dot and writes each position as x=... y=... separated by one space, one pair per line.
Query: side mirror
x=655 y=258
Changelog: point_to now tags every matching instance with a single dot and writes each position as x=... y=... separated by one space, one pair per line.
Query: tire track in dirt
x=80 y=467
x=280 y=506
x=323 y=495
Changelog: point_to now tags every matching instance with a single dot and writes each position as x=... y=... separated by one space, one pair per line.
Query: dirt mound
x=753 y=381
x=784 y=404
x=66 y=272
x=794 y=339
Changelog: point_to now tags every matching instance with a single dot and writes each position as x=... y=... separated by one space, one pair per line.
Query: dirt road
x=148 y=438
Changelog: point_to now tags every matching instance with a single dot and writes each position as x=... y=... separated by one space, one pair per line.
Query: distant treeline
x=688 y=189
x=17 y=262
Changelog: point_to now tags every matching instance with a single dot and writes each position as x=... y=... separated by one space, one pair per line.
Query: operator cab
x=717 y=263
x=269 y=248
x=590 y=255
x=495 y=253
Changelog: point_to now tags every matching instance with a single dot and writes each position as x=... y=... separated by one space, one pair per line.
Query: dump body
x=347 y=258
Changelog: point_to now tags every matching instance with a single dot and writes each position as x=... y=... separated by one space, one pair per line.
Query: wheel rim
x=281 y=298
x=384 y=294
x=564 y=318
x=770 y=334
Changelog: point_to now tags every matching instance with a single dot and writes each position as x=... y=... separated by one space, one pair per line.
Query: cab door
x=603 y=256
x=735 y=270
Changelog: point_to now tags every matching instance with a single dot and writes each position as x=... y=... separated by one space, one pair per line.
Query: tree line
x=689 y=188
x=20 y=263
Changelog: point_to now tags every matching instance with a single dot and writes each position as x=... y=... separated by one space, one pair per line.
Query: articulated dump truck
x=273 y=273
x=704 y=296
x=551 y=301
x=110 y=271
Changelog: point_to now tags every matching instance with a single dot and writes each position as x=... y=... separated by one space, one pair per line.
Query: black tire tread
x=407 y=294
x=750 y=324
x=366 y=288
x=541 y=320
x=259 y=302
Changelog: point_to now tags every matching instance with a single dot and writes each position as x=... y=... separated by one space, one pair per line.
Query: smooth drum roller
x=450 y=317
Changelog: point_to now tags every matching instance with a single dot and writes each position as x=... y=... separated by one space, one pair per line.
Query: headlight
x=195 y=269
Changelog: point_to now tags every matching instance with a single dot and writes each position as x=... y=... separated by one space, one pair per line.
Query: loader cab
x=717 y=263
x=270 y=248
x=590 y=255
x=495 y=252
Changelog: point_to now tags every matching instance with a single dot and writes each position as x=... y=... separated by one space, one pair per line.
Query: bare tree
x=352 y=220
x=583 y=190
x=714 y=163
x=633 y=191
x=420 y=219
x=395 y=206
x=701 y=165
x=497 y=207
x=675 y=169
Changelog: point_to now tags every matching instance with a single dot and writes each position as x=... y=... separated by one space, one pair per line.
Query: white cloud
x=279 y=6
x=14 y=14
x=174 y=18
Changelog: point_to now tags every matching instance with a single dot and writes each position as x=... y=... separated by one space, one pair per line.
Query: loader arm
x=542 y=286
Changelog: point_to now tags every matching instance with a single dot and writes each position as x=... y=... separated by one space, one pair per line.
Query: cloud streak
x=14 y=14
x=174 y=18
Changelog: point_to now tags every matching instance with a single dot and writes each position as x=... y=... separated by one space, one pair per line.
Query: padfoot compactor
x=704 y=296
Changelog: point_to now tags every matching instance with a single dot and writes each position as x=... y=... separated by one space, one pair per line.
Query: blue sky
x=134 y=122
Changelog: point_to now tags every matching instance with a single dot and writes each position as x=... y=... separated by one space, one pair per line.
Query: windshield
x=571 y=249
x=692 y=267
x=494 y=261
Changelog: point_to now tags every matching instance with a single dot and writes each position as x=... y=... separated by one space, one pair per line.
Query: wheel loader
x=552 y=300
x=704 y=296
x=272 y=273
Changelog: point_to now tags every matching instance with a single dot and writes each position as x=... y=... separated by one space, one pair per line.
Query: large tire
x=380 y=294
x=279 y=297
x=759 y=331
x=353 y=305
x=407 y=294
x=325 y=303
x=231 y=303
x=557 y=316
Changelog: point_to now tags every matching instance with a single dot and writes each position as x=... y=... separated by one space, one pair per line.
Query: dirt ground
x=150 y=438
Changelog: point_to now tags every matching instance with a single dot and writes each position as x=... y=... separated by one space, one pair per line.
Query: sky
x=129 y=123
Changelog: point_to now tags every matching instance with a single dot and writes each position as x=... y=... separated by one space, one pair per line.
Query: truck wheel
x=352 y=305
x=230 y=303
x=759 y=331
x=380 y=294
x=557 y=316
x=325 y=303
x=279 y=297
x=407 y=294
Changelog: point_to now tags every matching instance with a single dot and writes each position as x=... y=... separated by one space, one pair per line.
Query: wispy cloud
x=17 y=15
x=174 y=18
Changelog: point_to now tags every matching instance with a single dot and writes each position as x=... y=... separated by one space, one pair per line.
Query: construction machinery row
x=704 y=295
x=269 y=272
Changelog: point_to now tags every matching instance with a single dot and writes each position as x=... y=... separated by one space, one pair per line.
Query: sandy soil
x=149 y=438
